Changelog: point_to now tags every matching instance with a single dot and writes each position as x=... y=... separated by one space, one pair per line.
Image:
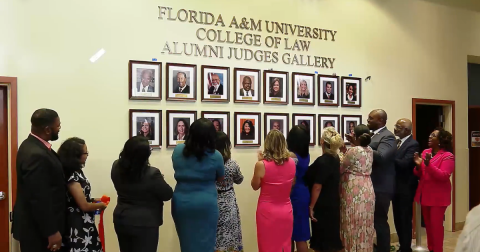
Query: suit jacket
x=219 y=90
x=140 y=87
x=242 y=92
x=435 y=188
x=383 y=170
x=41 y=192
x=140 y=203
x=186 y=90
x=332 y=96
x=406 y=182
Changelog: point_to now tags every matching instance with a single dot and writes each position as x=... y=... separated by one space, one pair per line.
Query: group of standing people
x=344 y=194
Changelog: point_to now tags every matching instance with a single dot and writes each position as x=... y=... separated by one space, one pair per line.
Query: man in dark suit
x=246 y=89
x=327 y=95
x=145 y=84
x=217 y=87
x=39 y=211
x=182 y=86
x=383 y=174
x=406 y=183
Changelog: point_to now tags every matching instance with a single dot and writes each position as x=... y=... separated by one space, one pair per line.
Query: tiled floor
x=449 y=243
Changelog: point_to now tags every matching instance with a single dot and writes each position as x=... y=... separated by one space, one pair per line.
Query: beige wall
x=410 y=48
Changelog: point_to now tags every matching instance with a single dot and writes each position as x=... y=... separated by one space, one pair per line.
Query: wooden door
x=474 y=157
x=4 y=206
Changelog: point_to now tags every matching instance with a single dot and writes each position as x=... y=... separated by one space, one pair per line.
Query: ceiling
x=473 y=5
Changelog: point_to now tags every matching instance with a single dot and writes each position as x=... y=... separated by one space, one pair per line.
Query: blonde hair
x=276 y=148
x=332 y=140
x=298 y=87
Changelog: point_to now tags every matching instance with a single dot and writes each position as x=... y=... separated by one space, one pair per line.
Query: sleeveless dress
x=194 y=202
x=300 y=201
x=229 y=231
x=274 y=210
x=357 y=200
x=81 y=233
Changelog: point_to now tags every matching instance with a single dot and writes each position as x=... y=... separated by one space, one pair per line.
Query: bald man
x=383 y=174
x=405 y=183
x=217 y=86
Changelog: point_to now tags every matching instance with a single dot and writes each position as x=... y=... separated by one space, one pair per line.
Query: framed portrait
x=303 y=89
x=144 y=80
x=215 y=84
x=328 y=94
x=351 y=92
x=147 y=123
x=349 y=123
x=275 y=87
x=308 y=121
x=278 y=121
x=328 y=121
x=247 y=85
x=181 y=82
x=178 y=126
x=247 y=129
x=221 y=120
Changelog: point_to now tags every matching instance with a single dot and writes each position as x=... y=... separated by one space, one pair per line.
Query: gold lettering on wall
x=243 y=31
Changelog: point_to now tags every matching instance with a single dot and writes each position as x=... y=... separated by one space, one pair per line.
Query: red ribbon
x=101 y=231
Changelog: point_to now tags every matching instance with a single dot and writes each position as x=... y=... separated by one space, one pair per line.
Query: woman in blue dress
x=298 y=141
x=197 y=167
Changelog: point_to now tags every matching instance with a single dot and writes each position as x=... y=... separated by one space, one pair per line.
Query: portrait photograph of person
x=247 y=129
x=328 y=90
x=349 y=124
x=181 y=82
x=145 y=80
x=247 y=85
x=325 y=121
x=146 y=123
x=220 y=120
x=215 y=84
x=303 y=89
x=307 y=121
x=275 y=87
x=178 y=126
x=277 y=121
x=351 y=92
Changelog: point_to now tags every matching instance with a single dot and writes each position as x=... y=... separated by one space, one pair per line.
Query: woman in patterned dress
x=81 y=233
x=357 y=198
x=229 y=231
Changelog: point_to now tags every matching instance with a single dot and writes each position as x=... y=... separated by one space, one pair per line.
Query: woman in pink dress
x=434 y=168
x=274 y=173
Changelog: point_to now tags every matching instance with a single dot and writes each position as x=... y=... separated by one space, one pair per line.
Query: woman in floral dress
x=229 y=231
x=81 y=234
x=357 y=198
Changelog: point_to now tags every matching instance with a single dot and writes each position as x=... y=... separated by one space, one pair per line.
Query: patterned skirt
x=229 y=231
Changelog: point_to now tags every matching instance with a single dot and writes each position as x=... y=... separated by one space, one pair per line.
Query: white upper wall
x=410 y=48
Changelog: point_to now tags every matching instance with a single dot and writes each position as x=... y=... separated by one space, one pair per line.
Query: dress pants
x=137 y=239
x=402 y=204
x=433 y=217
x=380 y=221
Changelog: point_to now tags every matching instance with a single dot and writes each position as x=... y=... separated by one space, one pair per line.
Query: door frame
x=421 y=101
x=11 y=84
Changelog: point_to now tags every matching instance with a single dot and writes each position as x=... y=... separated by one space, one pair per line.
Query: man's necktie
x=399 y=142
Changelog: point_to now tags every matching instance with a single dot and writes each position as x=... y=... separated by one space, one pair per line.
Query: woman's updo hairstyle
x=362 y=133
x=332 y=140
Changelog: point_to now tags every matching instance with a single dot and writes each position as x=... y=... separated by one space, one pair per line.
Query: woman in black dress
x=248 y=131
x=323 y=180
x=81 y=233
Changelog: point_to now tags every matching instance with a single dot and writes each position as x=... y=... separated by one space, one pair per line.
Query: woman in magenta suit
x=274 y=173
x=434 y=169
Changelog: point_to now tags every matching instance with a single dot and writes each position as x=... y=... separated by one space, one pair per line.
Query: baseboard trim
x=459 y=226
